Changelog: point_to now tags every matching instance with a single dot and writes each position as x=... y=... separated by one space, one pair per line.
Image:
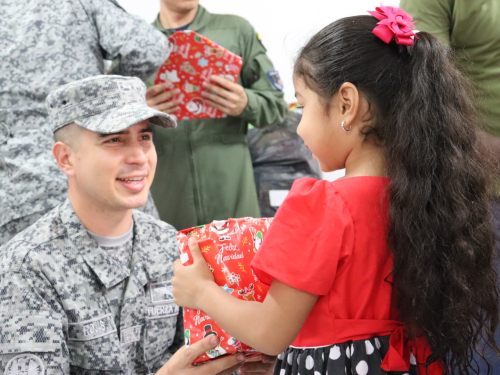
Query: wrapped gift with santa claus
x=228 y=247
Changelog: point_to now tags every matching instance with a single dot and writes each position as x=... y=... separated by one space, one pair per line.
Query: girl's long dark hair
x=440 y=233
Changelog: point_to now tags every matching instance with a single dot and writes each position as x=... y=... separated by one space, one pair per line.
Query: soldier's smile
x=133 y=183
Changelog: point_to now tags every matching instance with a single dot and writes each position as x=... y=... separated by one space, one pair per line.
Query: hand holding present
x=190 y=282
x=226 y=96
x=181 y=362
x=162 y=97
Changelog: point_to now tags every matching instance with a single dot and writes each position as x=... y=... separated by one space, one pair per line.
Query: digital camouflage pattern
x=103 y=104
x=55 y=311
x=45 y=44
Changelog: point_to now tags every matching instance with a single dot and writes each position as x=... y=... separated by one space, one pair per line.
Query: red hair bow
x=394 y=22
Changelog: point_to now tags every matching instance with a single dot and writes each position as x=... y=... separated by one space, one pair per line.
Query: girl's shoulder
x=347 y=189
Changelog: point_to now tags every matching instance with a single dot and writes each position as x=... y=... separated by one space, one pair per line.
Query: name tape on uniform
x=91 y=329
x=162 y=311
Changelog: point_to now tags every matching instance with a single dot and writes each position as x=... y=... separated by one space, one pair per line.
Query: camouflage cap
x=104 y=104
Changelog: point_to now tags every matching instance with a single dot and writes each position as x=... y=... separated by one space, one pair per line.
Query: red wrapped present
x=228 y=247
x=192 y=61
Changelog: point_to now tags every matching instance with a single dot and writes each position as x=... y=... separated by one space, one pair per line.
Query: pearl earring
x=343 y=128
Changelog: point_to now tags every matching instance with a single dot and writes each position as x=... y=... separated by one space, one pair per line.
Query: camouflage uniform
x=44 y=44
x=55 y=314
x=66 y=304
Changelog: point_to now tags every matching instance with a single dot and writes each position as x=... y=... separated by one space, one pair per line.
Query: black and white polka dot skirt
x=360 y=357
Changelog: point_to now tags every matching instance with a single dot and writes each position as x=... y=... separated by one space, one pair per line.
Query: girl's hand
x=181 y=361
x=190 y=282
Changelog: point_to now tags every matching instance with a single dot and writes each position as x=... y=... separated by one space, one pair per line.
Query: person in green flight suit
x=204 y=170
x=471 y=29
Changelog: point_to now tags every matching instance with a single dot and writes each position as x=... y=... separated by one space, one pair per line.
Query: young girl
x=387 y=270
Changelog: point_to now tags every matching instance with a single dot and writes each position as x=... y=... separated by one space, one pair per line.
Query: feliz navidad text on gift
x=228 y=248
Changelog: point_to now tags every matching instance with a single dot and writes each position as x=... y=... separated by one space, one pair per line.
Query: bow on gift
x=399 y=354
x=394 y=22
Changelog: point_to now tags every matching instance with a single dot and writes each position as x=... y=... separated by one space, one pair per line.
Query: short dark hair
x=68 y=134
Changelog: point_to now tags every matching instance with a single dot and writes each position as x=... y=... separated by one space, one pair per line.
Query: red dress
x=330 y=239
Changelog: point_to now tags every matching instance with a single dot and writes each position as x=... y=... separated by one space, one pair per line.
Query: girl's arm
x=270 y=326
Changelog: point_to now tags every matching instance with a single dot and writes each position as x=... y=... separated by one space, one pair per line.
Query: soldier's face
x=181 y=5
x=115 y=171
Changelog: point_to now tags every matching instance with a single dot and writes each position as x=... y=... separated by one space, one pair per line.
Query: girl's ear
x=63 y=154
x=348 y=102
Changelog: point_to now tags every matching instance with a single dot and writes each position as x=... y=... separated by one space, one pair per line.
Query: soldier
x=86 y=289
x=208 y=158
x=45 y=44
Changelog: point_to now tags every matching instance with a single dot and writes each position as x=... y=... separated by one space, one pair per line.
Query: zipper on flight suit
x=197 y=199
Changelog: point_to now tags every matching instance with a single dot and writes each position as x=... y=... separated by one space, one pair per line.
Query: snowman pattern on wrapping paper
x=218 y=350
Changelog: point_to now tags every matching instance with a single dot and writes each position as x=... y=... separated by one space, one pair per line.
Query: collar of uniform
x=201 y=19
x=109 y=271
x=151 y=247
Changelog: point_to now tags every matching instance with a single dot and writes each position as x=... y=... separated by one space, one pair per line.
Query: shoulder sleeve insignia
x=275 y=79
x=25 y=364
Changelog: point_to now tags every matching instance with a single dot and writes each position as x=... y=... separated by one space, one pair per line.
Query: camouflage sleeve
x=140 y=48
x=31 y=333
x=262 y=83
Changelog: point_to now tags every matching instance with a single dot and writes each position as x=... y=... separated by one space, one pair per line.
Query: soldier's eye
x=113 y=140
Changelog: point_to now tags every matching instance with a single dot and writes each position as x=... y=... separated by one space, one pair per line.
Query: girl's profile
x=387 y=270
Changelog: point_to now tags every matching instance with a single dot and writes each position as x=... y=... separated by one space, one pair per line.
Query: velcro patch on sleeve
x=30 y=331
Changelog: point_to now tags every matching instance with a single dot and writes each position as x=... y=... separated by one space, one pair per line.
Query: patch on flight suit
x=25 y=364
x=275 y=79
x=131 y=334
x=161 y=292
x=91 y=329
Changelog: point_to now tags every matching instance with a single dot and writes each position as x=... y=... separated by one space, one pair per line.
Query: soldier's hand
x=261 y=365
x=225 y=95
x=181 y=362
x=162 y=97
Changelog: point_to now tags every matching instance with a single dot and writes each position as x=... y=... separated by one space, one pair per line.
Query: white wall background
x=284 y=25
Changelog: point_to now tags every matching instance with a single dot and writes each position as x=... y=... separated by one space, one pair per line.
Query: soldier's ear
x=63 y=154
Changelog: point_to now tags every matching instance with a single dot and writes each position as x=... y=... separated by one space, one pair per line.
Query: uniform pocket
x=160 y=329
x=94 y=345
x=102 y=354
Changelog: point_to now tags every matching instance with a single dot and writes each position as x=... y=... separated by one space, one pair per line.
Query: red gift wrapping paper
x=192 y=61
x=228 y=247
